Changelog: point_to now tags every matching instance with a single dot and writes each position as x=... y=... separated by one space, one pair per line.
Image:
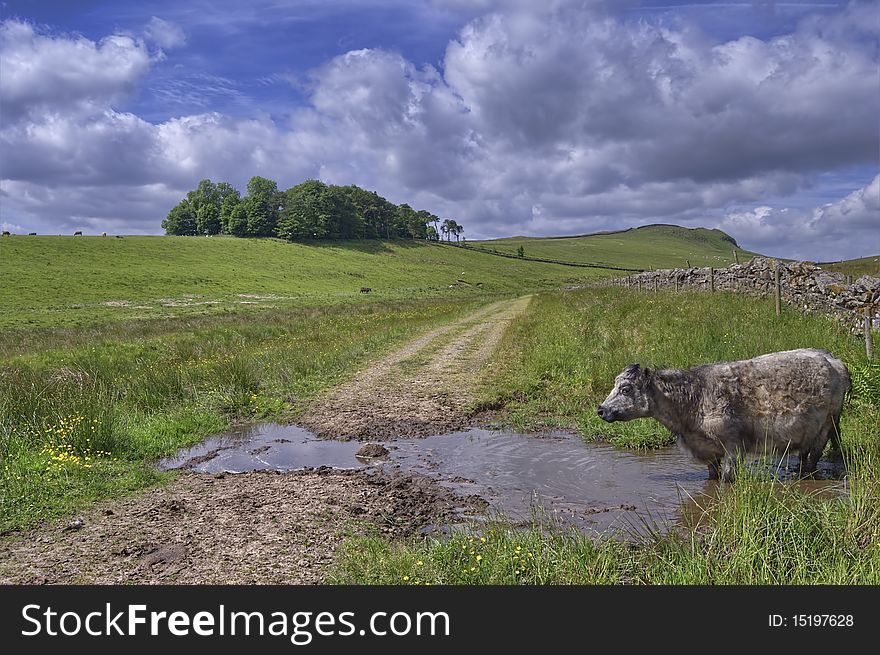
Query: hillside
x=651 y=246
x=64 y=281
x=856 y=267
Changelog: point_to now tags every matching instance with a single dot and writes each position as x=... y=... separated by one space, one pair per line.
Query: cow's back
x=791 y=381
x=787 y=397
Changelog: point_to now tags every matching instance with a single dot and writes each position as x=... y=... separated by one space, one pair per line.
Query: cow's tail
x=835 y=418
x=835 y=428
x=834 y=436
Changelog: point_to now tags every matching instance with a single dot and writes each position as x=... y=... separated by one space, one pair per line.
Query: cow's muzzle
x=605 y=414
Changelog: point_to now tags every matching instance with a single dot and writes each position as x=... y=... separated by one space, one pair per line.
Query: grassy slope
x=856 y=267
x=652 y=246
x=65 y=281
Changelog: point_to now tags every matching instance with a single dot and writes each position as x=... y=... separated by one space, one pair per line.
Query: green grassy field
x=856 y=267
x=70 y=281
x=114 y=352
x=652 y=246
x=109 y=361
x=558 y=362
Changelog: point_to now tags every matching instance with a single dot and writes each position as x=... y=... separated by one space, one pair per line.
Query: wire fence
x=865 y=319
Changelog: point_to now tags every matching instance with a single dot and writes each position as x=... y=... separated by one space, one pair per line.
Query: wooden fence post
x=735 y=257
x=711 y=279
x=869 y=339
x=639 y=283
x=849 y=280
x=688 y=262
x=655 y=285
x=777 y=290
x=676 y=283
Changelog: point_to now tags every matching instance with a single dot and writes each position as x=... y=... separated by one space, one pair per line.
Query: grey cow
x=782 y=402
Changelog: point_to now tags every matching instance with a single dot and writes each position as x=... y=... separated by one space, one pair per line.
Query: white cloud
x=44 y=74
x=829 y=232
x=563 y=120
x=165 y=34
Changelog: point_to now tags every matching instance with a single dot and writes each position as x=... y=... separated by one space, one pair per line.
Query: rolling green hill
x=65 y=281
x=651 y=246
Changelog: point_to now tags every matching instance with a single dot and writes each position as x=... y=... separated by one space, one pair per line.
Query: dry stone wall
x=804 y=285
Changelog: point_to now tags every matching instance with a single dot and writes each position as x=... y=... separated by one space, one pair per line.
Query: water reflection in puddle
x=557 y=475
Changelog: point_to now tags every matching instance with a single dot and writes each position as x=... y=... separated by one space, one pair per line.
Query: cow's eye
x=625 y=388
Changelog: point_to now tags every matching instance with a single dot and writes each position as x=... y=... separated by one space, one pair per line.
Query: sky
x=512 y=117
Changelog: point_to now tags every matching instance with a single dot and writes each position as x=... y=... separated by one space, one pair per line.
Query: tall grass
x=86 y=420
x=559 y=361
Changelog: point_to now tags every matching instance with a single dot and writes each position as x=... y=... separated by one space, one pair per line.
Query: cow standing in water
x=782 y=402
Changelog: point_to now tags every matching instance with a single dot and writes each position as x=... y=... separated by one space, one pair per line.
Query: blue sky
x=510 y=116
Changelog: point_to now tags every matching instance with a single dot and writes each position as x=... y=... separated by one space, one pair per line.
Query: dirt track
x=251 y=528
x=421 y=389
x=281 y=528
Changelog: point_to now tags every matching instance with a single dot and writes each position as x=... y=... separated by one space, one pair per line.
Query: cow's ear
x=647 y=373
x=632 y=368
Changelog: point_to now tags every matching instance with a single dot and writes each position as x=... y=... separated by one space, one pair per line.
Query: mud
x=228 y=529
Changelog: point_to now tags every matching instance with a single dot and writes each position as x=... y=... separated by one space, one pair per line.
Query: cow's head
x=630 y=397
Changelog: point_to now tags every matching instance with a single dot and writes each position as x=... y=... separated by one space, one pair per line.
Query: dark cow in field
x=783 y=402
x=365 y=289
x=77 y=233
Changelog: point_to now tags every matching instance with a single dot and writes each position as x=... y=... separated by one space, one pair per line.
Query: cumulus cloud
x=565 y=119
x=823 y=233
x=44 y=74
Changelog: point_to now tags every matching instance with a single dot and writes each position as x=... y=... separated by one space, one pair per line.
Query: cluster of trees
x=311 y=210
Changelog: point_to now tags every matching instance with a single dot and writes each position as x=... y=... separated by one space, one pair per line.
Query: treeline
x=311 y=210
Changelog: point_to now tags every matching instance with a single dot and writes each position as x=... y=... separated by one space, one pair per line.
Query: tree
x=520 y=252
x=306 y=211
x=457 y=229
x=181 y=220
x=411 y=222
x=431 y=233
x=446 y=227
x=237 y=221
x=261 y=204
x=231 y=201
x=208 y=218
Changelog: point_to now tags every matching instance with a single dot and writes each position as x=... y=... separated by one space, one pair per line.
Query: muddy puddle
x=556 y=476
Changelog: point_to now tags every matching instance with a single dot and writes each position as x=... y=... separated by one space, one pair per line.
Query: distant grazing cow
x=782 y=402
x=32 y=234
x=77 y=233
x=103 y=234
x=6 y=233
x=365 y=289
x=119 y=236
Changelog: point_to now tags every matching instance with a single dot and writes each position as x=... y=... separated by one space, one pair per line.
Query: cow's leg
x=809 y=460
x=810 y=457
x=728 y=467
x=714 y=470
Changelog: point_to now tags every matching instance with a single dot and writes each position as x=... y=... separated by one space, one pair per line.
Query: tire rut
x=421 y=389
